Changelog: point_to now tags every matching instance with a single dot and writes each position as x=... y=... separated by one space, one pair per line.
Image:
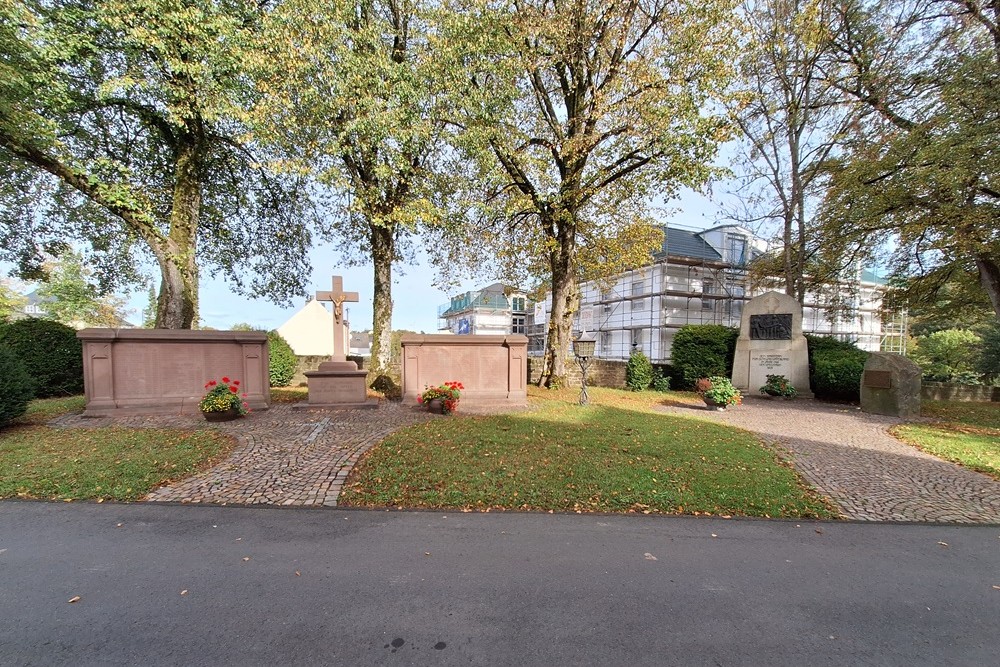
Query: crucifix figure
x=338 y=296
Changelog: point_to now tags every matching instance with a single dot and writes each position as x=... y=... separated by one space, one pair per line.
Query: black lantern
x=583 y=349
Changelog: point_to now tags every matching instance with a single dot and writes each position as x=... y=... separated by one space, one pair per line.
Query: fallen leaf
x=944 y=544
x=997 y=588
x=714 y=535
x=427 y=553
x=75 y=598
x=649 y=556
x=819 y=531
x=297 y=573
x=119 y=525
x=246 y=558
x=184 y=592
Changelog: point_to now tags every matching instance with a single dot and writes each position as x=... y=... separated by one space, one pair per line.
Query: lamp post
x=583 y=349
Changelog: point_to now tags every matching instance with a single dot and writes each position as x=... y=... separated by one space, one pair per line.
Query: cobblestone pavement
x=284 y=457
x=850 y=457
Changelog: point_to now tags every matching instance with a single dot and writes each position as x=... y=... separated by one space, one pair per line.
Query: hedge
x=51 y=353
x=16 y=389
x=282 y=364
x=835 y=368
x=702 y=350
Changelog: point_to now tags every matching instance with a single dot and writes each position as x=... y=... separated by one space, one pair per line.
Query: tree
x=947 y=355
x=923 y=160
x=121 y=124
x=71 y=298
x=579 y=113
x=359 y=97
x=11 y=301
x=791 y=122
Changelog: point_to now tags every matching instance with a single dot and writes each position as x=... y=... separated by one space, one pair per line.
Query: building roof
x=682 y=243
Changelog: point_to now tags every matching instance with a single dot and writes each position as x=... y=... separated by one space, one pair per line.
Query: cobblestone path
x=284 y=457
x=850 y=457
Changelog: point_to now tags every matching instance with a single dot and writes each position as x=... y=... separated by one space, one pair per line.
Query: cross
x=338 y=296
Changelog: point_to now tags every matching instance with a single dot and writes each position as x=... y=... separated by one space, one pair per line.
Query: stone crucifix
x=338 y=296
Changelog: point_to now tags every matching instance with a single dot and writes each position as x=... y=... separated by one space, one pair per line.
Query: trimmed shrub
x=51 y=353
x=386 y=386
x=703 y=350
x=638 y=371
x=835 y=368
x=282 y=360
x=16 y=389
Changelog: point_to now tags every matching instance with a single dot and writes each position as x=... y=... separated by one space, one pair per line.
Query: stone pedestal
x=771 y=343
x=337 y=385
x=890 y=385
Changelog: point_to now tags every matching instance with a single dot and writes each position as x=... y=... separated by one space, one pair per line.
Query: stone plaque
x=771 y=326
x=877 y=379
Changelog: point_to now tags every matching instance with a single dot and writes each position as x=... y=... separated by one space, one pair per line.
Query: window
x=637 y=338
x=738 y=250
x=605 y=343
x=707 y=288
x=517 y=304
x=639 y=305
x=517 y=324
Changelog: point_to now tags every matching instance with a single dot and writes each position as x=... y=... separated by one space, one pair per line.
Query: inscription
x=877 y=379
x=771 y=326
x=770 y=362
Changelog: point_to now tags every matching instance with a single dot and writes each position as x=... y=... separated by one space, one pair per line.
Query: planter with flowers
x=718 y=392
x=778 y=386
x=223 y=401
x=442 y=399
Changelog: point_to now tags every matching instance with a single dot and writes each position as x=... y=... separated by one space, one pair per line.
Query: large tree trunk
x=383 y=252
x=565 y=303
x=177 y=307
x=989 y=278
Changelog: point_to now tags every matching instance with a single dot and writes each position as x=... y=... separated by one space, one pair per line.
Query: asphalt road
x=340 y=587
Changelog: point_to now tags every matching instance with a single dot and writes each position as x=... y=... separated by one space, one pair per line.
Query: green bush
x=945 y=356
x=989 y=353
x=835 y=368
x=703 y=350
x=283 y=361
x=638 y=372
x=15 y=388
x=661 y=381
x=51 y=353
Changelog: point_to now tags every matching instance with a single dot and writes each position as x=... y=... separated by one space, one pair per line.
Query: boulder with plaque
x=890 y=385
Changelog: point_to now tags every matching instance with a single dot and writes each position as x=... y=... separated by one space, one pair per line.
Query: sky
x=415 y=299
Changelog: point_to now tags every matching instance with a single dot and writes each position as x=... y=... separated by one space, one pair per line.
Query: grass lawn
x=966 y=433
x=617 y=455
x=100 y=463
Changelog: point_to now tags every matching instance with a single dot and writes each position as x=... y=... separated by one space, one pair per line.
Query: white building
x=496 y=309
x=309 y=332
x=700 y=277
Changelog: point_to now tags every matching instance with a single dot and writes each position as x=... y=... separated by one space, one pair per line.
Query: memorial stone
x=890 y=385
x=771 y=343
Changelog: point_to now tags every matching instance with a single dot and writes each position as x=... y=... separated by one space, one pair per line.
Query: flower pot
x=223 y=416
x=713 y=405
x=435 y=405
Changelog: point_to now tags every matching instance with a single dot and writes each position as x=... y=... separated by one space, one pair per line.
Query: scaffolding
x=644 y=308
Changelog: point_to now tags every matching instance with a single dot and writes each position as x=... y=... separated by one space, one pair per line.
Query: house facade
x=496 y=309
x=701 y=277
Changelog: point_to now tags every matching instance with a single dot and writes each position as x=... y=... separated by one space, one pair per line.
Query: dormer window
x=738 y=250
